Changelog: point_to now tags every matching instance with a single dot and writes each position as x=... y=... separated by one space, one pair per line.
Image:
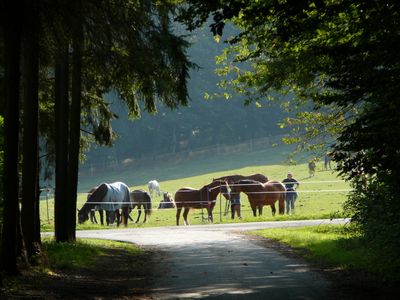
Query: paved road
x=217 y=262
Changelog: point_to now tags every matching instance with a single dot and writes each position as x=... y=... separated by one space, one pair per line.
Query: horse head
x=225 y=189
x=236 y=187
x=83 y=216
x=243 y=185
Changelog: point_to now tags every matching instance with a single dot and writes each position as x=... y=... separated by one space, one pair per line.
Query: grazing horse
x=109 y=197
x=154 y=188
x=204 y=198
x=139 y=199
x=167 y=201
x=234 y=178
x=110 y=216
x=260 y=194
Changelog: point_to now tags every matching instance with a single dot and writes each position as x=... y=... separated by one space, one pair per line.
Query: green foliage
x=374 y=206
x=342 y=56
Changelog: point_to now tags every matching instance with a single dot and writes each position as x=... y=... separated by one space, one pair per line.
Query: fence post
x=220 y=205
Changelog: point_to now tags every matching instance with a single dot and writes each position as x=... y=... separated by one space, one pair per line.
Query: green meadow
x=339 y=246
x=320 y=196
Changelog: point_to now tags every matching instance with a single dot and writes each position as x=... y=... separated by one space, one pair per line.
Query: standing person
x=291 y=185
x=235 y=205
x=327 y=161
x=311 y=168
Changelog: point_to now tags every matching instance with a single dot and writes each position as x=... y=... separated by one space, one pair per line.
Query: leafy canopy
x=341 y=56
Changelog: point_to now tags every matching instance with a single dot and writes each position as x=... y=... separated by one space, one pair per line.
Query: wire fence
x=220 y=199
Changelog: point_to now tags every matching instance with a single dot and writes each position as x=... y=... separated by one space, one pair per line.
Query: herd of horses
x=259 y=190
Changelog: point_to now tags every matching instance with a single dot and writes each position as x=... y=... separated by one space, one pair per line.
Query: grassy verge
x=83 y=253
x=82 y=270
x=336 y=245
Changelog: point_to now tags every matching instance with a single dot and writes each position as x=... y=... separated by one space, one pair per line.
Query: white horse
x=154 y=188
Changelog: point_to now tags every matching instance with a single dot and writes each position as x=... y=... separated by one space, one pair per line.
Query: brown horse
x=141 y=199
x=234 y=178
x=204 y=198
x=260 y=194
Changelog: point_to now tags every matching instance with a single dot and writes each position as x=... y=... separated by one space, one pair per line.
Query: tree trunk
x=74 y=134
x=61 y=140
x=37 y=237
x=12 y=45
x=30 y=130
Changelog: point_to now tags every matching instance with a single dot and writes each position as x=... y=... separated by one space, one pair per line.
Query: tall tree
x=11 y=25
x=30 y=176
x=62 y=110
x=75 y=120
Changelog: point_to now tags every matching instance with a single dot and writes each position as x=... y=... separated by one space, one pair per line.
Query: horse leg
x=185 y=214
x=94 y=217
x=237 y=208
x=178 y=214
x=118 y=216
x=254 y=209
x=107 y=218
x=146 y=212
x=139 y=213
x=125 y=214
x=282 y=204
x=129 y=215
x=273 y=209
x=260 y=209
x=210 y=215
x=101 y=214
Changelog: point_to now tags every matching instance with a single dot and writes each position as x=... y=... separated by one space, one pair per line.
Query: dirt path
x=200 y=262
x=217 y=261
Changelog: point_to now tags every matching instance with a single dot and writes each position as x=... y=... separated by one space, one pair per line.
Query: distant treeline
x=112 y=163
x=204 y=123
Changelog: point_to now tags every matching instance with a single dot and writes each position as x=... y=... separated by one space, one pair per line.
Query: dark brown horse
x=260 y=194
x=141 y=199
x=109 y=197
x=188 y=198
x=110 y=217
x=234 y=178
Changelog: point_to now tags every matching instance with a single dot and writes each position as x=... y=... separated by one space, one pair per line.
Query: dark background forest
x=203 y=123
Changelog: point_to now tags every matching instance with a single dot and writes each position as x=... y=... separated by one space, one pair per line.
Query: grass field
x=336 y=245
x=320 y=196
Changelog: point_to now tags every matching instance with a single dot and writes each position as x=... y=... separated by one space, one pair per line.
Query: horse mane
x=233 y=178
x=247 y=181
x=214 y=183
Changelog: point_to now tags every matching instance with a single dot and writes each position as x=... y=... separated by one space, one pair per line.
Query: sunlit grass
x=335 y=245
x=82 y=253
x=315 y=200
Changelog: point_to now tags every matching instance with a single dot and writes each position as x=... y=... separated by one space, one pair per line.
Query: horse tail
x=282 y=199
x=147 y=204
